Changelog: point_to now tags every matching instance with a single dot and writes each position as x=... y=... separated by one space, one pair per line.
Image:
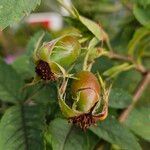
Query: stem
x=130 y=59
x=85 y=63
x=137 y=95
x=109 y=45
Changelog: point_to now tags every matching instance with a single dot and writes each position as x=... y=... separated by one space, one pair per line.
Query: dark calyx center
x=84 y=121
x=44 y=71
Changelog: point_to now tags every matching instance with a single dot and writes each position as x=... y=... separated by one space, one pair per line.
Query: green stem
x=85 y=63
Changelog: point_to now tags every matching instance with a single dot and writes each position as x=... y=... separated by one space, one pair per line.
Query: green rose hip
x=87 y=93
x=85 y=90
x=56 y=56
x=66 y=51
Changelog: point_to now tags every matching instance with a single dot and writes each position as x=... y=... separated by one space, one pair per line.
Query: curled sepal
x=103 y=114
x=104 y=99
x=66 y=110
x=44 y=52
x=57 y=69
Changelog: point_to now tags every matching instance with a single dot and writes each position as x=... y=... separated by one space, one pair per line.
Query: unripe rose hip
x=59 y=53
x=66 y=51
x=87 y=89
x=87 y=93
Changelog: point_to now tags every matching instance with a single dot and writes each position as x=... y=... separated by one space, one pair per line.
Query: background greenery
x=32 y=120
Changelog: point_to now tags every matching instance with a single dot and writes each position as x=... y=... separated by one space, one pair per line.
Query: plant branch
x=137 y=94
x=138 y=67
x=141 y=86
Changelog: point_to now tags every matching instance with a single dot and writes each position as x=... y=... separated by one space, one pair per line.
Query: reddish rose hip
x=87 y=93
x=86 y=89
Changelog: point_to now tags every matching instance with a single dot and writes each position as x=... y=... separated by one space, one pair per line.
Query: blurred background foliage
x=127 y=23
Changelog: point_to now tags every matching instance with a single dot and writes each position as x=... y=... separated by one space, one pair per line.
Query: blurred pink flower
x=10 y=58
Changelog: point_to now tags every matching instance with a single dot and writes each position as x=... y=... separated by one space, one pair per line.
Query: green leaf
x=94 y=28
x=24 y=64
x=119 y=98
x=112 y=131
x=36 y=41
x=139 y=120
x=12 y=11
x=24 y=67
x=142 y=15
x=63 y=136
x=46 y=94
x=10 y=83
x=144 y=3
x=115 y=70
x=138 y=36
x=122 y=81
x=21 y=128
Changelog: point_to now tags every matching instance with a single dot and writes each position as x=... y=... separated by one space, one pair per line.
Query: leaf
x=138 y=36
x=119 y=98
x=94 y=28
x=63 y=136
x=12 y=11
x=115 y=70
x=139 y=120
x=122 y=81
x=24 y=67
x=142 y=15
x=46 y=94
x=32 y=44
x=10 y=83
x=24 y=64
x=144 y=3
x=112 y=131
x=21 y=128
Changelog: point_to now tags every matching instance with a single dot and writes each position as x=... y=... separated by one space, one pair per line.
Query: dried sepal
x=44 y=71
